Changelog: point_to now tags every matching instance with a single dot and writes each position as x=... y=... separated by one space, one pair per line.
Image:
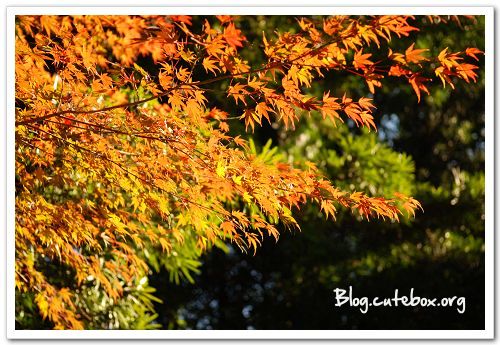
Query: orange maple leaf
x=415 y=55
x=224 y=18
x=466 y=71
x=417 y=83
x=472 y=52
x=398 y=71
x=362 y=60
x=233 y=36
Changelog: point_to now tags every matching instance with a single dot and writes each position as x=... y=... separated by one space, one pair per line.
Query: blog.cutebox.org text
x=345 y=297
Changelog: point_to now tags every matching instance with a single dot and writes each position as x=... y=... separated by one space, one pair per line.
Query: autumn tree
x=122 y=148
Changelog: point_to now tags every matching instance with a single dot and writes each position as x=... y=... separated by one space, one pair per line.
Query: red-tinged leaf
x=472 y=52
x=404 y=30
x=398 y=71
x=233 y=36
x=308 y=103
x=67 y=121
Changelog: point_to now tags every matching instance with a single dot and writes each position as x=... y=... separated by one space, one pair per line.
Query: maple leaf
x=396 y=57
x=239 y=141
x=373 y=80
x=330 y=107
x=224 y=18
x=165 y=80
x=210 y=65
x=224 y=126
x=303 y=75
x=366 y=103
x=362 y=60
x=466 y=71
x=181 y=19
x=215 y=47
x=444 y=74
x=262 y=109
x=251 y=117
x=409 y=203
x=221 y=169
x=247 y=197
x=308 y=103
x=472 y=52
x=228 y=228
x=233 y=36
x=448 y=60
x=417 y=83
x=237 y=179
x=166 y=246
x=415 y=55
x=403 y=29
x=237 y=91
x=367 y=120
x=368 y=34
x=398 y=71
x=328 y=208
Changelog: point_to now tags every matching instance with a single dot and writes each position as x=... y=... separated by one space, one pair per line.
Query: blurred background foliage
x=432 y=150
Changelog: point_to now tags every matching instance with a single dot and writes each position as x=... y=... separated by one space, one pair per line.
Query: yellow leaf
x=221 y=169
x=237 y=179
x=247 y=197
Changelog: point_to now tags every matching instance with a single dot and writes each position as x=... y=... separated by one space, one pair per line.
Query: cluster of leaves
x=113 y=157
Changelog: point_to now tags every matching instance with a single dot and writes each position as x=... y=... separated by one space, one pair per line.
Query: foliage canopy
x=121 y=147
